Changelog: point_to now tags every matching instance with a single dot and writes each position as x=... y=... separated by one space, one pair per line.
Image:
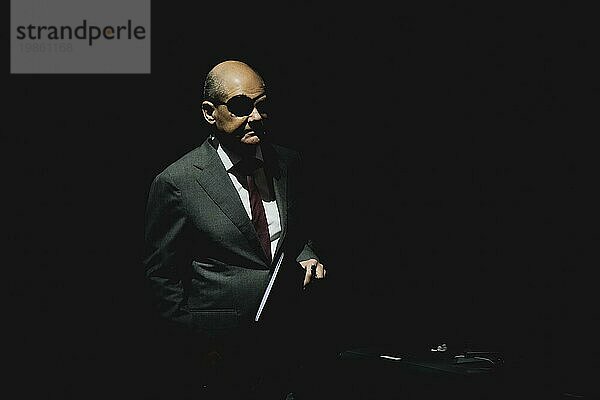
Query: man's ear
x=208 y=110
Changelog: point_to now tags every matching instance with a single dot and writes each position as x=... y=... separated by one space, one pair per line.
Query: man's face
x=241 y=115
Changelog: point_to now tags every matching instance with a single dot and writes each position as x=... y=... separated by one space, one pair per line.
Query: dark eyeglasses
x=242 y=105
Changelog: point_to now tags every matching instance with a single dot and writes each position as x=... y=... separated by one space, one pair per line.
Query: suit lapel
x=217 y=184
x=280 y=186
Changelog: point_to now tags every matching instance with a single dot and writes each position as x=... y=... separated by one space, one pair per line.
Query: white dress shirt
x=270 y=205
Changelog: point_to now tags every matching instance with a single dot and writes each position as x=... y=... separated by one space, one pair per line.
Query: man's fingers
x=307 y=276
x=320 y=271
x=313 y=270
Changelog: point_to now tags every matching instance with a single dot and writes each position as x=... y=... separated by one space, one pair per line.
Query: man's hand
x=313 y=270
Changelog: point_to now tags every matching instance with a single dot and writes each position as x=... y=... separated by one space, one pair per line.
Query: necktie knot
x=247 y=166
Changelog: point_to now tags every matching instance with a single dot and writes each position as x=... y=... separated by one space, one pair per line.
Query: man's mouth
x=250 y=137
x=252 y=132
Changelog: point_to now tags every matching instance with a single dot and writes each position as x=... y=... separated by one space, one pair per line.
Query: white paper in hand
x=269 y=286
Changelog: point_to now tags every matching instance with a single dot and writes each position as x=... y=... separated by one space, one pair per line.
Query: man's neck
x=239 y=151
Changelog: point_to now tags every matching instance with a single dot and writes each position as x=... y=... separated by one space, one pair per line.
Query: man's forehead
x=236 y=84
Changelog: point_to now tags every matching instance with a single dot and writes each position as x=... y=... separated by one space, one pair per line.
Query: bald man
x=218 y=220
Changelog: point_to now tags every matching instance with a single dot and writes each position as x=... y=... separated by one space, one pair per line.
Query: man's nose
x=254 y=115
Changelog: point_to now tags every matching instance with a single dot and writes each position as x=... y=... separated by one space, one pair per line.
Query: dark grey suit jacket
x=203 y=258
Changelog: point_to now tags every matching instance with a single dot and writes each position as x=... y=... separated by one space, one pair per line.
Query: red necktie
x=259 y=217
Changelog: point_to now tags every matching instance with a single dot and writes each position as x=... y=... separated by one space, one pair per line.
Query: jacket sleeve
x=164 y=252
x=308 y=252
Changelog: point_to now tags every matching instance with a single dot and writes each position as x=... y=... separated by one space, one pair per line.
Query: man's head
x=235 y=103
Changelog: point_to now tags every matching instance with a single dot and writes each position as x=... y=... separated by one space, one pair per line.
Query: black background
x=454 y=181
